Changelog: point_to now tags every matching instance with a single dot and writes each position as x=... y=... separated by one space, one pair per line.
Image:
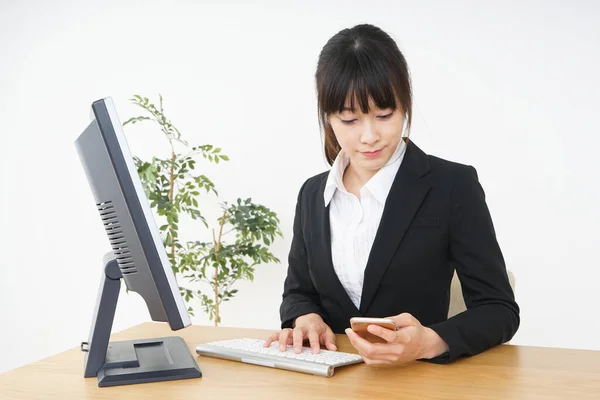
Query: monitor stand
x=133 y=361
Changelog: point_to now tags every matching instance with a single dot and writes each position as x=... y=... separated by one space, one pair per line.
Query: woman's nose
x=369 y=134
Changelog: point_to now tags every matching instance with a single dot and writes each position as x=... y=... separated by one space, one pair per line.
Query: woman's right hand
x=309 y=326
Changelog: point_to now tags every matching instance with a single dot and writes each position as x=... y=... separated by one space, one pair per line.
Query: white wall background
x=510 y=87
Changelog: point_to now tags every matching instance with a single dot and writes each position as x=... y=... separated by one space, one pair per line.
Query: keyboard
x=252 y=351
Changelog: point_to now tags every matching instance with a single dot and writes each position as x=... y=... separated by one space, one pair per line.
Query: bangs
x=357 y=78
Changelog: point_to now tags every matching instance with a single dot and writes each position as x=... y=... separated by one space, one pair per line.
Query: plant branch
x=171 y=196
x=217 y=248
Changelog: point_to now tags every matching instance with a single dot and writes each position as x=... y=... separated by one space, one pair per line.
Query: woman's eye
x=386 y=116
x=347 y=121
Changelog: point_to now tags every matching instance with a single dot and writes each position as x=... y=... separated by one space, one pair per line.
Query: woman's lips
x=371 y=154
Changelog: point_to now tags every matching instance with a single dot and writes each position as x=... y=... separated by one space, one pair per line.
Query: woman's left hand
x=412 y=341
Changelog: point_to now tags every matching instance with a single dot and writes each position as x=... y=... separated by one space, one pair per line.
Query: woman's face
x=369 y=140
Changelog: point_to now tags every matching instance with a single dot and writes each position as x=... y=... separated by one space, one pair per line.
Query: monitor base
x=133 y=361
x=149 y=360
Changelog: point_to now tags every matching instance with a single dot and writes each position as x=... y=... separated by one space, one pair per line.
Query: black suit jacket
x=435 y=221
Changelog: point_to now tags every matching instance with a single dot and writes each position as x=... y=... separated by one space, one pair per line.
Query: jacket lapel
x=404 y=199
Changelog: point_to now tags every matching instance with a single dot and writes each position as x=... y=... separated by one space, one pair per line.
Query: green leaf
x=135 y=120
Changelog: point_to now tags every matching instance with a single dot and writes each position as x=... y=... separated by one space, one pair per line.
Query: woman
x=381 y=233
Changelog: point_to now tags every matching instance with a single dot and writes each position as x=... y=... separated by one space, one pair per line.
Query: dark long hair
x=360 y=62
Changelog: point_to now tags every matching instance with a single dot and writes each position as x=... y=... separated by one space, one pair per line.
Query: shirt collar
x=379 y=185
x=335 y=177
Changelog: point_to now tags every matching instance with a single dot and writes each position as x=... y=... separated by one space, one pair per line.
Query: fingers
x=284 y=338
x=270 y=340
x=361 y=344
x=389 y=352
x=315 y=333
x=386 y=334
x=274 y=337
x=375 y=362
x=405 y=335
x=329 y=340
x=313 y=338
x=404 y=319
x=298 y=339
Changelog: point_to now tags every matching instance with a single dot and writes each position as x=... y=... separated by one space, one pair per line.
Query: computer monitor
x=138 y=257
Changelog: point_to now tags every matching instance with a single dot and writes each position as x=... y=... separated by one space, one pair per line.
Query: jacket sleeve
x=492 y=315
x=299 y=294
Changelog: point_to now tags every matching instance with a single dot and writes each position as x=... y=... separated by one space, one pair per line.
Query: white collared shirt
x=354 y=222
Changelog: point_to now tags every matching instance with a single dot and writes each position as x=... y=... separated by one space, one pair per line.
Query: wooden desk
x=505 y=372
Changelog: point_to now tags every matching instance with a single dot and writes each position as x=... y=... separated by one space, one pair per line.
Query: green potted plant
x=173 y=185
